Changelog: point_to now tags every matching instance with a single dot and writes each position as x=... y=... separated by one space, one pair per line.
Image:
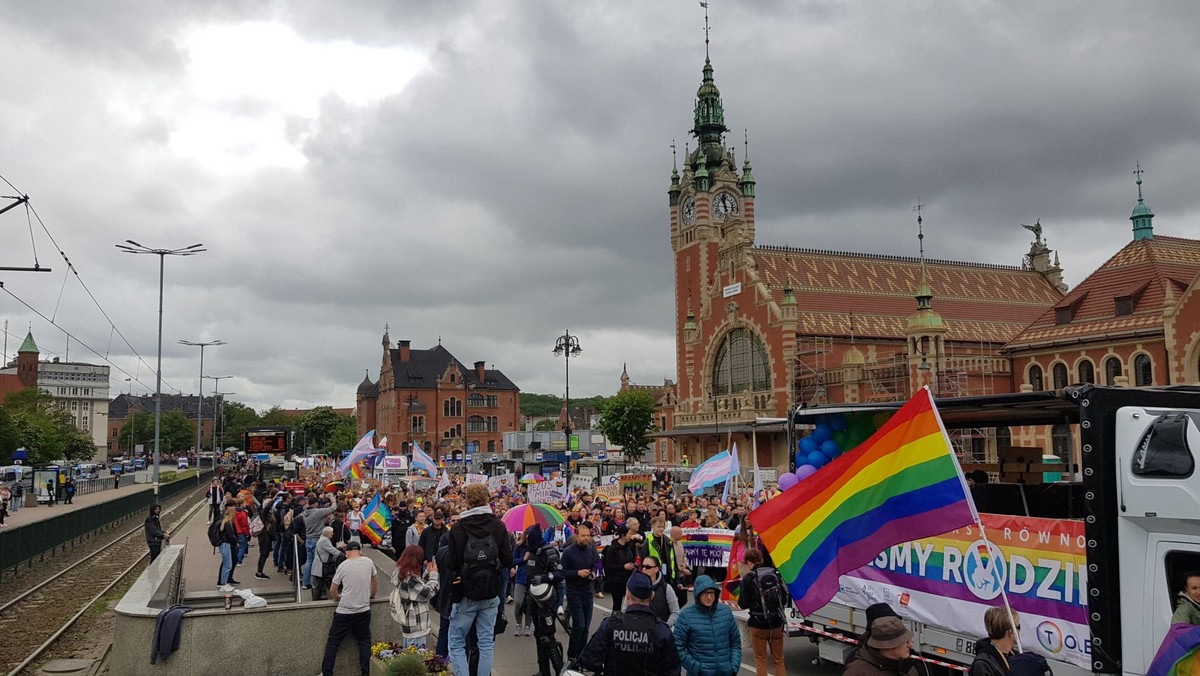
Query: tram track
x=40 y=615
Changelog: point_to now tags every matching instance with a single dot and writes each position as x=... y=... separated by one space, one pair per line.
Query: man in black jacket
x=633 y=642
x=1003 y=631
x=432 y=535
x=479 y=549
x=155 y=535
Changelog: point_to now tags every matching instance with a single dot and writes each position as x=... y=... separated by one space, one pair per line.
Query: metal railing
x=35 y=540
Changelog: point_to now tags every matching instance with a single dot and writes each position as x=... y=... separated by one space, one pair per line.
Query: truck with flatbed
x=1092 y=563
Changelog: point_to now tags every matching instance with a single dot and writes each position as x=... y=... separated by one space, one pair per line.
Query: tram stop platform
x=186 y=573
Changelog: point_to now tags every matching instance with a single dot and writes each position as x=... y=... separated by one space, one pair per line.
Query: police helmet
x=541 y=592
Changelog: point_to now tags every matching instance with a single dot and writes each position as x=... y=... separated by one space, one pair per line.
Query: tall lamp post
x=134 y=248
x=567 y=346
x=216 y=413
x=200 y=396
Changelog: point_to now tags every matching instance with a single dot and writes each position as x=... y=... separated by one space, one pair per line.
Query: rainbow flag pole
x=901 y=484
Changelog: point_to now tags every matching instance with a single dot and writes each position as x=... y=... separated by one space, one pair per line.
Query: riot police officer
x=541 y=600
x=633 y=642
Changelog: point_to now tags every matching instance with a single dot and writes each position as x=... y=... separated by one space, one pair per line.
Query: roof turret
x=28 y=345
x=1142 y=216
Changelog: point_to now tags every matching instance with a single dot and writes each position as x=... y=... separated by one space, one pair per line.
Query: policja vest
x=635 y=637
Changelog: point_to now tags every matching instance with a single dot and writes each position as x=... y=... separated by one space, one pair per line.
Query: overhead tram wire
x=72 y=336
x=30 y=209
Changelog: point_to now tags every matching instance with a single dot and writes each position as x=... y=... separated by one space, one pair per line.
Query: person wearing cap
x=993 y=652
x=633 y=642
x=888 y=651
x=706 y=634
x=353 y=586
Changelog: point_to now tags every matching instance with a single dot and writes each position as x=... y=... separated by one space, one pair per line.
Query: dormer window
x=1063 y=315
x=1124 y=306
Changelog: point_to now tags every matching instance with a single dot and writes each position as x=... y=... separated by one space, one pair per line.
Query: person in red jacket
x=241 y=524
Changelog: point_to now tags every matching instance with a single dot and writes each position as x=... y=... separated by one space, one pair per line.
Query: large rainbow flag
x=901 y=484
x=377 y=519
x=1179 y=654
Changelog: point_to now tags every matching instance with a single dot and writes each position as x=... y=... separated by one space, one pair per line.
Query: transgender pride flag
x=711 y=472
x=421 y=461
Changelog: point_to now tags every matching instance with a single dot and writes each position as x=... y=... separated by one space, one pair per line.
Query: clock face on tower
x=725 y=205
x=688 y=211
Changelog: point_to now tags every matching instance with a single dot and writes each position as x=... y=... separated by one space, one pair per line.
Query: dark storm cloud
x=517 y=186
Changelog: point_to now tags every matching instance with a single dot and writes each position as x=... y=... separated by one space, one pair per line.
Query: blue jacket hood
x=704 y=583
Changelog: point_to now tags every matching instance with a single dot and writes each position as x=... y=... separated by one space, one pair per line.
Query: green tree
x=235 y=418
x=138 y=429
x=37 y=423
x=344 y=436
x=177 y=432
x=626 y=419
x=318 y=425
x=275 y=417
x=547 y=425
x=9 y=436
x=539 y=405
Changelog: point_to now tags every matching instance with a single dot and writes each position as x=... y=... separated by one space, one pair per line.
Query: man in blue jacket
x=578 y=565
x=706 y=635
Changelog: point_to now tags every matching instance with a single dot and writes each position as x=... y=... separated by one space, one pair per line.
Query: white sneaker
x=225 y=588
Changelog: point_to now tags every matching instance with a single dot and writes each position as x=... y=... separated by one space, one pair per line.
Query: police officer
x=544 y=572
x=633 y=642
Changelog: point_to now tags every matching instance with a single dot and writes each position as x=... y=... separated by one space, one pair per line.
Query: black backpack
x=214 y=533
x=1028 y=664
x=481 y=578
x=329 y=568
x=772 y=594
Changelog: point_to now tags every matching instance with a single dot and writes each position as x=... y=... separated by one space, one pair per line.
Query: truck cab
x=1131 y=497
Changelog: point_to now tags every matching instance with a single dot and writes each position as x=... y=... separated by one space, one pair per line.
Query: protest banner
x=950 y=580
x=581 y=483
x=501 y=481
x=544 y=492
x=610 y=480
x=558 y=487
x=477 y=478
x=707 y=546
x=610 y=491
x=636 y=483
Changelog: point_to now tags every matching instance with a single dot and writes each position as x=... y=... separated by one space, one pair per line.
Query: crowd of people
x=454 y=555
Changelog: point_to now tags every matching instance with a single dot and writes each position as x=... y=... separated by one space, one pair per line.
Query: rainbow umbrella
x=532 y=478
x=335 y=486
x=523 y=516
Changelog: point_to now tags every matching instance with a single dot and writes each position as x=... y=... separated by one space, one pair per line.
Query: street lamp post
x=567 y=346
x=134 y=248
x=200 y=396
x=216 y=413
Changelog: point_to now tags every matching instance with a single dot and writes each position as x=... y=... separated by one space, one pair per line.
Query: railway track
x=35 y=619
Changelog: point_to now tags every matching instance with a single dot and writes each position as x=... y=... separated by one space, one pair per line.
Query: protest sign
x=581 y=483
x=610 y=491
x=707 y=547
x=637 y=483
x=501 y=481
x=544 y=492
x=477 y=478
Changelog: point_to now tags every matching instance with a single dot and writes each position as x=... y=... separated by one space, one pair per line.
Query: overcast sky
x=492 y=173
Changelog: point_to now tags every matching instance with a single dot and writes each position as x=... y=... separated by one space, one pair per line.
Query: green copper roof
x=28 y=345
x=1142 y=217
x=789 y=298
x=710 y=114
x=925 y=318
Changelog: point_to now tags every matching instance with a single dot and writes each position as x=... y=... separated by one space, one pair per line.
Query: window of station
x=1087 y=372
x=1143 y=373
x=1035 y=378
x=1113 y=369
x=1061 y=379
x=741 y=364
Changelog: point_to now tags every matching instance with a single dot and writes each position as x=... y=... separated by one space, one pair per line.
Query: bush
x=165 y=477
x=407 y=664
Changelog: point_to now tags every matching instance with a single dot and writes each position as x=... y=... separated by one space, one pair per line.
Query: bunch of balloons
x=834 y=434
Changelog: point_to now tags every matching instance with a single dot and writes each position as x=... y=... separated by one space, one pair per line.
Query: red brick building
x=430 y=398
x=761 y=328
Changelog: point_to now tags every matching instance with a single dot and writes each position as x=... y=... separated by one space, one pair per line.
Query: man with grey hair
x=314 y=520
x=326 y=555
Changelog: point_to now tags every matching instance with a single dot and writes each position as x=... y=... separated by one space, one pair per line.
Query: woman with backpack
x=265 y=523
x=226 y=541
x=414 y=583
x=765 y=596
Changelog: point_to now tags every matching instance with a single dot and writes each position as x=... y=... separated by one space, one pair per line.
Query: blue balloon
x=821 y=433
x=831 y=449
x=817 y=459
x=807 y=445
x=839 y=422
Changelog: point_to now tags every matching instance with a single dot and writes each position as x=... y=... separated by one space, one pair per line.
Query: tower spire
x=709 y=115
x=705 y=6
x=924 y=293
x=1142 y=216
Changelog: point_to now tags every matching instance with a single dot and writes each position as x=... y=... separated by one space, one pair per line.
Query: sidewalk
x=28 y=515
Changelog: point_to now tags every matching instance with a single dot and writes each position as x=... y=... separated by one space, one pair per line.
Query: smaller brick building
x=430 y=398
x=21 y=372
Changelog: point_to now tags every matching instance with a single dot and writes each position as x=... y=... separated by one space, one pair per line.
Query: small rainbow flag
x=377 y=519
x=901 y=484
x=356 y=471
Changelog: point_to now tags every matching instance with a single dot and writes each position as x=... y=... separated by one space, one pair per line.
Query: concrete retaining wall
x=278 y=639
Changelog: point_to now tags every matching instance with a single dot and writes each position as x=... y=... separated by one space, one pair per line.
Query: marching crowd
x=454 y=554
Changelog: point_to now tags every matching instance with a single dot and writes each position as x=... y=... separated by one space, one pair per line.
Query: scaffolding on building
x=812 y=373
x=971 y=370
x=887 y=379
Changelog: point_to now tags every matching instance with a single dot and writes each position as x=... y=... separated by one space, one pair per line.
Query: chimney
x=479 y=371
x=404 y=349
